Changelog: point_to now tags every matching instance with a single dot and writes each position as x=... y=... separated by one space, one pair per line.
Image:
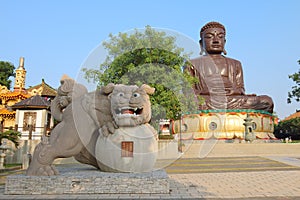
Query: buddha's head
x=212 y=38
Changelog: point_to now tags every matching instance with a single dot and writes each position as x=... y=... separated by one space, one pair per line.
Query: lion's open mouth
x=129 y=111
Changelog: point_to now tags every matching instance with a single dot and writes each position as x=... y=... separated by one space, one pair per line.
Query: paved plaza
x=226 y=177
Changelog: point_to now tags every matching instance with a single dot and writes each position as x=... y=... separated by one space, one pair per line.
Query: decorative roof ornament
x=20 y=76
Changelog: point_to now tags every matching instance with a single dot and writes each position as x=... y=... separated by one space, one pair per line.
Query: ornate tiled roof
x=36 y=102
x=15 y=95
x=6 y=114
x=5 y=111
x=42 y=89
x=292 y=116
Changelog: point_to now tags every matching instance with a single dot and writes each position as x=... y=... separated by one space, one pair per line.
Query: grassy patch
x=12 y=165
x=295 y=141
x=165 y=137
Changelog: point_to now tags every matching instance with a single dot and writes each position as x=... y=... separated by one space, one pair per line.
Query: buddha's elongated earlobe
x=201 y=48
x=224 y=51
x=201 y=51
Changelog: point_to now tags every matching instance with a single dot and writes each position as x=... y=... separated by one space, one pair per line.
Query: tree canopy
x=150 y=57
x=295 y=93
x=6 y=71
x=288 y=129
x=11 y=135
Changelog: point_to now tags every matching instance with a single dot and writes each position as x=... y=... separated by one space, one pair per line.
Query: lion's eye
x=136 y=95
x=121 y=94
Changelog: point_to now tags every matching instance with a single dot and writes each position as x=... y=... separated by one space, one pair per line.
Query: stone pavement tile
x=147 y=196
x=242 y=184
x=287 y=160
x=229 y=185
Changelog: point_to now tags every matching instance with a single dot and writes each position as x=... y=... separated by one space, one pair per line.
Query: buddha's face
x=213 y=40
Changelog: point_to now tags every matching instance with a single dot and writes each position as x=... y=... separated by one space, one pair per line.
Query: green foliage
x=13 y=165
x=295 y=93
x=288 y=128
x=11 y=135
x=165 y=137
x=153 y=58
x=6 y=71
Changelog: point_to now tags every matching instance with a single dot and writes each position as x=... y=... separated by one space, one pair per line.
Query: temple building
x=34 y=111
x=18 y=98
x=292 y=116
x=21 y=107
x=9 y=98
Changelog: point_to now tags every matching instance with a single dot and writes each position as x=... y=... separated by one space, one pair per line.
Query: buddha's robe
x=221 y=84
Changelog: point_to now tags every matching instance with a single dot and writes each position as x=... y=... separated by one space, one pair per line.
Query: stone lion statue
x=94 y=124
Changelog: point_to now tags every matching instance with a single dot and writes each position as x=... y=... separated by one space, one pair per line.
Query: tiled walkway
x=238 y=184
x=263 y=184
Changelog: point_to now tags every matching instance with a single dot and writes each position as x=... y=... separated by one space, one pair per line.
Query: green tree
x=149 y=57
x=288 y=128
x=6 y=71
x=10 y=135
x=295 y=93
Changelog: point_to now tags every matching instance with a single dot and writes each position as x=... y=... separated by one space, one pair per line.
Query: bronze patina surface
x=221 y=81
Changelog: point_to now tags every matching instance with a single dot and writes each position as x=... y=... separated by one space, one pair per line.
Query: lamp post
x=3 y=149
x=30 y=127
x=3 y=146
x=249 y=134
x=29 y=138
x=180 y=136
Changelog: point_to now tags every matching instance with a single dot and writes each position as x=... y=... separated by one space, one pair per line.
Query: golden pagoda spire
x=20 y=76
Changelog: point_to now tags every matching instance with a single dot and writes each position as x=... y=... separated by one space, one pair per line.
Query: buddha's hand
x=230 y=92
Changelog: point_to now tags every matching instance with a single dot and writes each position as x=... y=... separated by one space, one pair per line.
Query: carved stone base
x=83 y=179
x=224 y=124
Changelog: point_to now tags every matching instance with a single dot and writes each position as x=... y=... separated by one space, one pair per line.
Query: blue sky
x=56 y=37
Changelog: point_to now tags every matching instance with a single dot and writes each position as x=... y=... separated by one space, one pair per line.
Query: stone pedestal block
x=83 y=179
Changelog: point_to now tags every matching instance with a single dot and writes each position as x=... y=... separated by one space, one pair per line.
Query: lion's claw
x=44 y=170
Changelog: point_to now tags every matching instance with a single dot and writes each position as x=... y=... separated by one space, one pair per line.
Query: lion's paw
x=47 y=170
x=44 y=170
x=105 y=130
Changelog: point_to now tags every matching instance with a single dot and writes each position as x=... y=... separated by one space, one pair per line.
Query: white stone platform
x=83 y=179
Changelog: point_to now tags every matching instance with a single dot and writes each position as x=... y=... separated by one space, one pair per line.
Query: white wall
x=41 y=119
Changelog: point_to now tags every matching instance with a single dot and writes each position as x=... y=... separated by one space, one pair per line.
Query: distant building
x=292 y=116
x=33 y=111
x=19 y=106
x=9 y=98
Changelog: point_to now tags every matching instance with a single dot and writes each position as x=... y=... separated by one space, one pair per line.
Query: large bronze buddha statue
x=221 y=78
